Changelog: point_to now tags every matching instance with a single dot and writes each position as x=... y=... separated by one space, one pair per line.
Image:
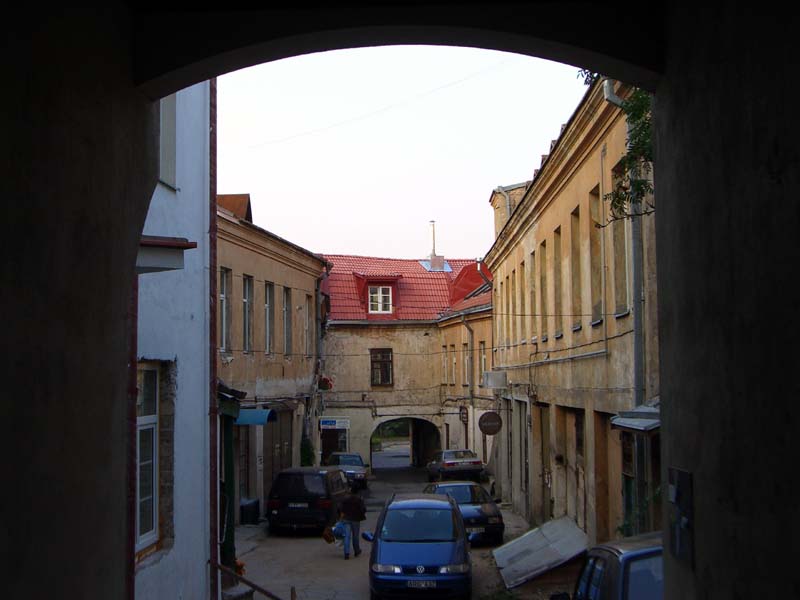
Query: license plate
x=298 y=504
x=421 y=584
x=475 y=529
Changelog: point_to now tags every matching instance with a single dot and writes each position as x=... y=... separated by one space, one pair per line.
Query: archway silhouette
x=400 y=442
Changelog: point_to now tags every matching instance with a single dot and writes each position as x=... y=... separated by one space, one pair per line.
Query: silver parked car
x=455 y=464
x=353 y=466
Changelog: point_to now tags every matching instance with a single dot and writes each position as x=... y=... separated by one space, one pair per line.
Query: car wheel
x=374 y=596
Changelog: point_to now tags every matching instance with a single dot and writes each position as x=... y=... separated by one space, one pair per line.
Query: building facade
x=566 y=328
x=172 y=362
x=401 y=342
x=269 y=303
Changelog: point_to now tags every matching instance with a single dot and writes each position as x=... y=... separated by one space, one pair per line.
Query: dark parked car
x=455 y=464
x=305 y=498
x=626 y=569
x=482 y=517
x=353 y=466
x=420 y=549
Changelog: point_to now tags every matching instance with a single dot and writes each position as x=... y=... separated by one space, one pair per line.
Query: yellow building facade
x=564 y=351
x=268 y=330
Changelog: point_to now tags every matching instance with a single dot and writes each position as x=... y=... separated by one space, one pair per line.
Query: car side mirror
x=560 y=596
x=368 y=536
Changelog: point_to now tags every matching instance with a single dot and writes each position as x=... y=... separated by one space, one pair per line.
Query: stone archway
x=419 y=439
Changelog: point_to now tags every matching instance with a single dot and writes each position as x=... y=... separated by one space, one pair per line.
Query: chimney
x=437 y=262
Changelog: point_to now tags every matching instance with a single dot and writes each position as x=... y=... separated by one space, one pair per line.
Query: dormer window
x=380 y=299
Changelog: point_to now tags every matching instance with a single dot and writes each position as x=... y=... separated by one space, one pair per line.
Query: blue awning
x=255 y=416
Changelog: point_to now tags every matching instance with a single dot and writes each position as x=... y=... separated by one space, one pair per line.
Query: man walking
x=352 y=511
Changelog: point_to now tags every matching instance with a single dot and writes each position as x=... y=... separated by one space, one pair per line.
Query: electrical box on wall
x=495 y=379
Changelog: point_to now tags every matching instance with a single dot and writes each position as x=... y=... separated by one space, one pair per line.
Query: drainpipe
x=636 y=235
x=640 y=449
x=500 y=189
x=471 y=375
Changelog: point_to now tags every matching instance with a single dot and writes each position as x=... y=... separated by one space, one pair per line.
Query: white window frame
x=144 y=423
x=224 y=309
x=269 y=316
x=444 y=364
x=247 y=313
x=380 y=299
x=465 y=363
x=482 y=347
x=308 y=326
x=455 y=363
x=287 y=322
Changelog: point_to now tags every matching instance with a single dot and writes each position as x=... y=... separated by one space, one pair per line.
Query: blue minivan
x=420 y=549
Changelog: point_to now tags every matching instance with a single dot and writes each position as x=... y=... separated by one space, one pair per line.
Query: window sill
x=577 y=327
x=544 y=338
x=597 y=322
x=559 y=335
x=622 y=314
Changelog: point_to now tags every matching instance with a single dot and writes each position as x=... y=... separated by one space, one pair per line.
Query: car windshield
x=418 y=525
x=300 y=484
x=644 y=578
x=350 y=459
x=459 y=454
x=465 y=494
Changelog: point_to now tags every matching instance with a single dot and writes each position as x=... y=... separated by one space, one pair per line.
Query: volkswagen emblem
x=420 y=569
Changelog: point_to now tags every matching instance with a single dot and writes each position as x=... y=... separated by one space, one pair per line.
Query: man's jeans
x=351 y=532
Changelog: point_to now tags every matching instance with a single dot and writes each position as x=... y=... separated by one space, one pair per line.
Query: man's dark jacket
x=353 y=508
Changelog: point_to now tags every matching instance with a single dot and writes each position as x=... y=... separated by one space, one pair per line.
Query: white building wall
x=173 y=325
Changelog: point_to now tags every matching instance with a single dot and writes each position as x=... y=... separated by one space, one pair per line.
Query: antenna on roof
x=433 y=236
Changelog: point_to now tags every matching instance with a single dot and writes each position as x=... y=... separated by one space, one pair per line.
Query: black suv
x=305 y=498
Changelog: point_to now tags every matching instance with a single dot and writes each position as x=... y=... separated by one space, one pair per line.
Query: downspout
x=638 y=333
x=471 y=375
x=636 y=241
x=502 y=190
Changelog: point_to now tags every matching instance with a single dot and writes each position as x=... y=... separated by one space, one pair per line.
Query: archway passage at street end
x=403 y=443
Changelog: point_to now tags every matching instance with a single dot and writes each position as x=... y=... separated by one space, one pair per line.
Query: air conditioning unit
x=495 y=379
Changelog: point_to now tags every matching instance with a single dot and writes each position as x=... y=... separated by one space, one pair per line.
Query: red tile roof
x=418 y=294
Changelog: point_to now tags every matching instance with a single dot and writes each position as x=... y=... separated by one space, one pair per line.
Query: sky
x=357 y=151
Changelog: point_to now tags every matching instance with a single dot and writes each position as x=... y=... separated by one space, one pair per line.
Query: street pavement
x=318 y=571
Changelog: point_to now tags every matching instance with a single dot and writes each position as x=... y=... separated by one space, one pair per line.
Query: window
x=146 y=456
x=579 y=431
x=619 y=237
x=444 y=364
x=225 y=277
x=247 y=313
x=513 y=318
x=465 y=362
x=168 y=142
x=645 y=577
x=534 y=306
x=543 y=290
x=309 y=328
x=557 y=292
x=576 y=268
x=482 y=351
x=454 y=364
x=380 y=299
x=155 y=451
x=287 y=322
x=381 y=366
x=595 y=256
x=522 y=318
x=269 y=316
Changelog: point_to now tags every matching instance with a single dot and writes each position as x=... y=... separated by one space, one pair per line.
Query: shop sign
x=334 y=423
x=490 y=423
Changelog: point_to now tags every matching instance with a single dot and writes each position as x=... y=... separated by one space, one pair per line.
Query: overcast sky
x=356 y=151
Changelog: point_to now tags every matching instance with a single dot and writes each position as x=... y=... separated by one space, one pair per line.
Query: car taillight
x=449 y=464
x=476 y=462
x=324 y=503
x=274 y=504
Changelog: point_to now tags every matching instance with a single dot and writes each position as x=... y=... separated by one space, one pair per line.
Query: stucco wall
x=173 y=326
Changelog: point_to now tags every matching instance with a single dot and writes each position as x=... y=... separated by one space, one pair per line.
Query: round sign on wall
x=490 y=423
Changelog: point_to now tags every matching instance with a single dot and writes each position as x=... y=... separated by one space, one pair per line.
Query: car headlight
x=376 y=568
x=453 y=569
x=495 y=520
